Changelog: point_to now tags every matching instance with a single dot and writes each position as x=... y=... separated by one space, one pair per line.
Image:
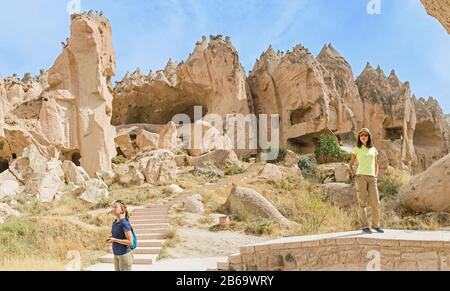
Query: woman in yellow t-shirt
x=366 y=180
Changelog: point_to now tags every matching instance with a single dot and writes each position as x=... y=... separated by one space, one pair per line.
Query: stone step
x=149 y=226
x=155 y=212
x=150 y=231
x=139 y=259
x=144 y=217
x=148 y=221
x=147 y=250
x=150 y=243
x=151 y=236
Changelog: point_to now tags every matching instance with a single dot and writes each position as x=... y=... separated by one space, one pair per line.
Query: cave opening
x=301 y=115
x=394 y=133
x=305 y=144
x=4 y=165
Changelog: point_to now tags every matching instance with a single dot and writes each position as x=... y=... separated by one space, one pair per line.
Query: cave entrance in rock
x=304 y=144
x=301 y=115
x=164 y=113
x=4 y=165
x=73 y=156
x=394 y=133
x=427 y=137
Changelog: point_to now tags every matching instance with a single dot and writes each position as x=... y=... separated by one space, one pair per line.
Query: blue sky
x=147 y=33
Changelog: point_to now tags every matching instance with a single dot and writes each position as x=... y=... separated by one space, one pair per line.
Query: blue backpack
x=134 y=246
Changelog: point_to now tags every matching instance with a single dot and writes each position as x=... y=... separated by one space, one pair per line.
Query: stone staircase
x=150 y=225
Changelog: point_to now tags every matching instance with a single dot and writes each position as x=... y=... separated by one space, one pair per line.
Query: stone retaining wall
x=395 y=250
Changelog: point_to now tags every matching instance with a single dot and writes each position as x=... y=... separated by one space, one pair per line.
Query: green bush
x=327 y=150
x=260 y=226
x=389 y=186
x=235 y=170
x=119 y=160
x=308 y=167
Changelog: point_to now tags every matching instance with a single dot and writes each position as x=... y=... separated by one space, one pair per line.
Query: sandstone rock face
x=298 y=87
x=429 y=191
x=291 y=159
x=77 y=107
x=249 y=201
x=439 y=9
x=340 y=194
x=432 y=135
x=95 y=191
x=161 y=167
x=390 y=114
x=212 y=77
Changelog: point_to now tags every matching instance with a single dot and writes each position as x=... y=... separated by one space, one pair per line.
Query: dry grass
x=44 y=242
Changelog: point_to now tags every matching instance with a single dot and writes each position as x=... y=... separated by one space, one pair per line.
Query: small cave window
x=394 y=133
x=4 y=165
x=301 y=115
x=76 y=157
x=14 y=156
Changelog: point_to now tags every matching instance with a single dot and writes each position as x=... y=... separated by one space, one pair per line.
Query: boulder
x=245 y=200
x=95 y=191
x=341 y=173
x=145 y=139
x=291 y=159
x=41 y=177
x=221 y=159
x=201 y=137
x=128 y=174
x=123 y=142
x=74 y=174
x=161 y=167
x=271 y=172
x=168 y=137
x=6 y=211
x=175 y=189
x=193 y=204
x=108 y=177
x=429 y=191
x=340 y=194
x=333 y=172
x=9 y=188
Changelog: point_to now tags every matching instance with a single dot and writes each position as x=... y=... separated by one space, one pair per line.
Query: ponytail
x=127 y=215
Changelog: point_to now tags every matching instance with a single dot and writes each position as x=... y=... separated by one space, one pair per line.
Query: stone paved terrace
x=393 y=250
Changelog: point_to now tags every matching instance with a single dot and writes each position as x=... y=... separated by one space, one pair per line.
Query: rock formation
x=76 y=110
x=300 y=89
x=429 y=191
x=439 y=9
x=211 y=78
x=389 y=113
